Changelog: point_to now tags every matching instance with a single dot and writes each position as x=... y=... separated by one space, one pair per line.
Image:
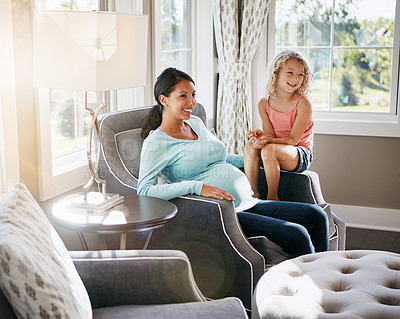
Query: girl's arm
x=304 y=114
x=266 y=123
x=260 y=138
x=153 y=160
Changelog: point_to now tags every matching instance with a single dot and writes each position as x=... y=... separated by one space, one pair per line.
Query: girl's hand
x=254 y=134
x=215 y=192
x=260 y=141
x=258 y=138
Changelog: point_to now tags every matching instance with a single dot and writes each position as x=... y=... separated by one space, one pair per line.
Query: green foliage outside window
x=351 y=58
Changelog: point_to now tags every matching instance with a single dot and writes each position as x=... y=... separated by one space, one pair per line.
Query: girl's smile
x=291 y=76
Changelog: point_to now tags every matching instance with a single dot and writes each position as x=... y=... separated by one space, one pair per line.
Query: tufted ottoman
x=335 y=284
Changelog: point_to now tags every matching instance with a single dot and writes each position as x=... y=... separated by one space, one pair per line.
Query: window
x=63 y=122
x=353 y=49
x=183 y=38
x=174 y=37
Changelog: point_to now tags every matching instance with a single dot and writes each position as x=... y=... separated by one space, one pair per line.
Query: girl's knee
x=268 y=151
x=250 y=150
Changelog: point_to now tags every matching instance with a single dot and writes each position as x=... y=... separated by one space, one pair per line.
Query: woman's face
x=181 y=101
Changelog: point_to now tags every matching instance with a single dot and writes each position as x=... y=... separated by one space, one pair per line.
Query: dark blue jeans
x=298 y=228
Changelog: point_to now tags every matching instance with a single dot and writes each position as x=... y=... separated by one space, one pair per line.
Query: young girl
x=286 y=139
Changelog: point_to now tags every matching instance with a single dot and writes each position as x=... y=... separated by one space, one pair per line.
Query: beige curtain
x=233 y=18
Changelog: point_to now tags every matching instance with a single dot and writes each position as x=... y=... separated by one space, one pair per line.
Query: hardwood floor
x=359 y=238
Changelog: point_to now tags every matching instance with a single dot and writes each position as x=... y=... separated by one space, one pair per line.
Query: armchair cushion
x=227 y=308
x=37 y=274
x=125 y=142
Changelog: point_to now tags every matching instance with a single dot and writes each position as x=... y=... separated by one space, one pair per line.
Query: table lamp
x=90 y=51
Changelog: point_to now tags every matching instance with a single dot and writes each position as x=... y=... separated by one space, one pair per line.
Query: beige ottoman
x=335 y=284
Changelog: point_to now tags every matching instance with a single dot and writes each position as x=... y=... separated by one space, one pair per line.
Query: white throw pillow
x=37 y=274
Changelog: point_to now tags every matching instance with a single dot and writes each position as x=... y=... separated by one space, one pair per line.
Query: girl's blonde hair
x=277 y=65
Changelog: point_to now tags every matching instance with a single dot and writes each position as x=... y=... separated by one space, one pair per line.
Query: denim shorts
x=305 y=159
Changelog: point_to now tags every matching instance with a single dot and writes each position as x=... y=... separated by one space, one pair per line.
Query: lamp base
x=96 y=202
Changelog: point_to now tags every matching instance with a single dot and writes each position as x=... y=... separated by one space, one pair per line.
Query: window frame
x=354 y=123
x=9 y=148
x=9 y=155
x=203 y=54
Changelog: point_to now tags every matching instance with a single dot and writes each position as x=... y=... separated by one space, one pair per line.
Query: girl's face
x=291 y=76
x=181 y=101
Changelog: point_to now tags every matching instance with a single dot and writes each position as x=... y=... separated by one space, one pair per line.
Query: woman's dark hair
x=165 y=85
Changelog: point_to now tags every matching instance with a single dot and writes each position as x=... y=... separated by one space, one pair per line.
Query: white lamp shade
x=91 y=51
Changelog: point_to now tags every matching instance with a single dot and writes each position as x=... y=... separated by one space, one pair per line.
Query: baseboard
x=368 y=217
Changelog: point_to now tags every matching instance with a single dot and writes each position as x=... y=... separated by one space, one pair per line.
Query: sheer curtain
x=238 y=28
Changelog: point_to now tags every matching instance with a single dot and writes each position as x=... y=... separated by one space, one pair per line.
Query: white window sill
x=379 y=126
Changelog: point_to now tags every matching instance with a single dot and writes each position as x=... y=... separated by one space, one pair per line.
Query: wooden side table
x=136 y=214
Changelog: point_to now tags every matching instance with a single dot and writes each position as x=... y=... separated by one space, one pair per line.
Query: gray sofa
x=224 y=261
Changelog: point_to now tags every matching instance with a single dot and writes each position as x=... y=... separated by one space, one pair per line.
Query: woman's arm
x=235 y=160
x=153 y=160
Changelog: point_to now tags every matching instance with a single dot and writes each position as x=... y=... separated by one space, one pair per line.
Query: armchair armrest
x=218 y=221
x=116 y=277
x=296 y=187
x=341 y=229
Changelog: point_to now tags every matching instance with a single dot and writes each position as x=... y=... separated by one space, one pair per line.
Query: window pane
x=166 y=28
x=318 y=60
x=179 y=24
x=361 y=80
x=62 y=120
x=174 y=24
x=178 y=59
x=69 y=121
x=364 y=22
x=303 y=23
x=175 y=34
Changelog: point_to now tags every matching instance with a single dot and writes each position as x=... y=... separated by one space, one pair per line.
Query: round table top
x=135 y=213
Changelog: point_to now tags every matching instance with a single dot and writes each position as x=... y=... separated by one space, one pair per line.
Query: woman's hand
x=215 y=192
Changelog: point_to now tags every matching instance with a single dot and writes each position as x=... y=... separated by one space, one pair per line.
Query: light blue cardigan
x=186 y=164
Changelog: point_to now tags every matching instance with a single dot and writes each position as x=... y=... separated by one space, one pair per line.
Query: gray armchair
x=224 y=261
x=142 y=284
x=305 y=187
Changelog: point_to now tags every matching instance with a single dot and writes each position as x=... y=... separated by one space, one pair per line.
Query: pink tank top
x=282 y=124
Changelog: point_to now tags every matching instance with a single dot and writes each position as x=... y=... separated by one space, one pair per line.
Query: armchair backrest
x=121 y=147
